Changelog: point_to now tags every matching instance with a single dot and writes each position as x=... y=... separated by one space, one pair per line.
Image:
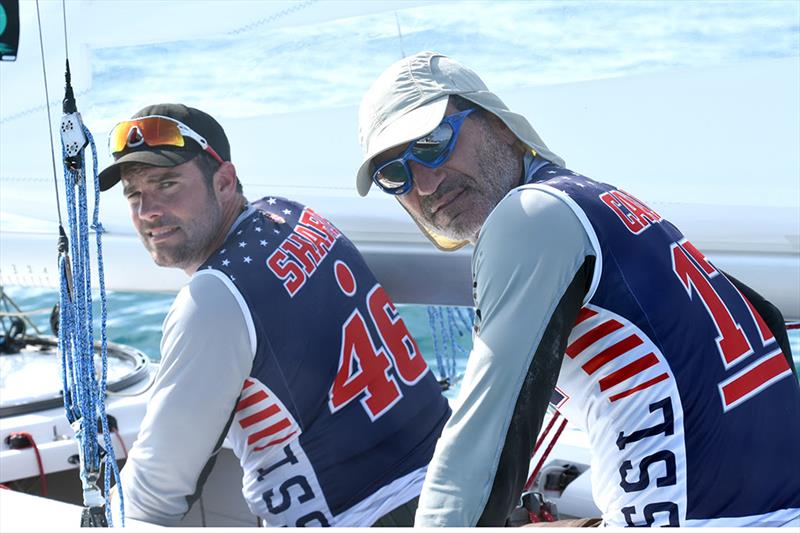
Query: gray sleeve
x=526 y=257
x=207 y=351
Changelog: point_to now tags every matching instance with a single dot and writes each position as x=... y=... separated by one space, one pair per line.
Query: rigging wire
x=399 y=35
x=49 y=118
x=64 y=17
x=8 y=303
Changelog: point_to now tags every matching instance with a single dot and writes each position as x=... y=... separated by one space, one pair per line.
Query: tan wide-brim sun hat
x=409 y=100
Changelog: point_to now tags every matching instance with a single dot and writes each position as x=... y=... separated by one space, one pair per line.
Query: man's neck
x=531 y=164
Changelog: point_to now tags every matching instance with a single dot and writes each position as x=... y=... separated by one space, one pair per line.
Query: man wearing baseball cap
x=675 y=370
x=282 y=340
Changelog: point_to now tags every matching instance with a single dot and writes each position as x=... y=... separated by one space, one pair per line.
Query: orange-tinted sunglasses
x=155 y=130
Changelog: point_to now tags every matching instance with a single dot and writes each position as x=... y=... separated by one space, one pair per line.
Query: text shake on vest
x=340 y=414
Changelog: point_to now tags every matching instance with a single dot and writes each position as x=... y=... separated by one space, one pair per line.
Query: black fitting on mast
x=63 y=250
x=68 y=104
x=72 y=127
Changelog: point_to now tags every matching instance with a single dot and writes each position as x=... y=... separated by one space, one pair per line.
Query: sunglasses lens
x=152 y=131
x=392 y=177
x=431 y=146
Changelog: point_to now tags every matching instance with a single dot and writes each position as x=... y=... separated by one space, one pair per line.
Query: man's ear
x=225 y=179
x=503 y=131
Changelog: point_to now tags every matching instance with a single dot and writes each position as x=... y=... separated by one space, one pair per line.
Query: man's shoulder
x=530 y=221
x=203 y=294
x=534 y=203
x=204 y=307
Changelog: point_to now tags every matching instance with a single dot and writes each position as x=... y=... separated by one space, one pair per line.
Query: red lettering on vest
x=316 y=239
x=303 y=251
x=310 y=218
x=288 y=270
x=298 y=256
x=636 y=216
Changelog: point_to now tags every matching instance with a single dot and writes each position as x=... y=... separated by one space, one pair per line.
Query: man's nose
x=149 y=207
x=426 y=180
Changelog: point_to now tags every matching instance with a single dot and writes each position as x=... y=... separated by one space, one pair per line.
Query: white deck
x=25 y=512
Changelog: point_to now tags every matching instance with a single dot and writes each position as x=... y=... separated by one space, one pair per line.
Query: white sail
x=712 y=148
x=729 y=181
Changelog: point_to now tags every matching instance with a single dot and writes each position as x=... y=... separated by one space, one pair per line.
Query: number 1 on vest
x=695 y=274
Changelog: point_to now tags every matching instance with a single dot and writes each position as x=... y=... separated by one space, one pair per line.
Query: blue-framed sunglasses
x=433 y=150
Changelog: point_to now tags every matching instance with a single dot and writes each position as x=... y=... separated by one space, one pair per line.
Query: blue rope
x=447 y=325
x=455 y=348
x=434 y=318
x=97 y=226
x=84 y=396
x=466 y=316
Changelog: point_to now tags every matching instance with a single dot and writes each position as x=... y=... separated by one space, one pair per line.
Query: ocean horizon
x=135 y=319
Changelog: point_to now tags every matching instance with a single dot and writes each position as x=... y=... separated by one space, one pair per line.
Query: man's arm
x=532 y=402
x=531 y=274
x=207 y=353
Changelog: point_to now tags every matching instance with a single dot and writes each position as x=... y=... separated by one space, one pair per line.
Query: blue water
x=135 y=319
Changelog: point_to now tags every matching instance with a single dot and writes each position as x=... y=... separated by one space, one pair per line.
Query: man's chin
x=160 y=261
x=456 y=229
x=164 y=260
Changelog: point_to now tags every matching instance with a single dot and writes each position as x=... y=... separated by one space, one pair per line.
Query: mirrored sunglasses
x=155 y=130
x=433 y=150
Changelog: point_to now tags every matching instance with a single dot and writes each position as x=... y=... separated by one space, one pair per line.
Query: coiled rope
x=83 y=394
x=84 y=397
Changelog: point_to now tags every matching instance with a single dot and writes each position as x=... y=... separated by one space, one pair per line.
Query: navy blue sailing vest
x=691 y=406
x=340 y=409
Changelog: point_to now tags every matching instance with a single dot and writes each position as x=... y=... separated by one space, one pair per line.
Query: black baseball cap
x=170 y=156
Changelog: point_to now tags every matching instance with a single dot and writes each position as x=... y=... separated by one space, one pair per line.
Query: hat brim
x=415 y=124
x=155 y=157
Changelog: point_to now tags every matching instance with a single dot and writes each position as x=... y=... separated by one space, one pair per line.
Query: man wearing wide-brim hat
x=587 y=298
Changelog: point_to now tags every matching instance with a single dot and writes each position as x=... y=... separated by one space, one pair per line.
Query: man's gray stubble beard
x=497 y=167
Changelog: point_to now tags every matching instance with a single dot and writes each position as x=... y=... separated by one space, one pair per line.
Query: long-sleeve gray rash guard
x=531 y=268
x=207 y=352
